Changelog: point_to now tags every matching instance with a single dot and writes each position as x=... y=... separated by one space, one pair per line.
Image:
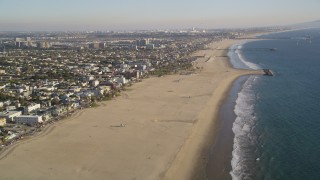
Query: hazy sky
x=152 y=14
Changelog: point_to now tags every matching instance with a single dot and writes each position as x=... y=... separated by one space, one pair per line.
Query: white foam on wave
x=237 y=59
x=244 y=61
x=242 y=129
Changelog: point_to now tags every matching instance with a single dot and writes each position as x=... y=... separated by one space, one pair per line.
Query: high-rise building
x=20 y=42
x=94 y=45
x=138 y=42
x=28 y=39
x=2 y=47
x=150 y=46
x=19 y=39
x=43 y=45
x=143 y=42
x=102 y=45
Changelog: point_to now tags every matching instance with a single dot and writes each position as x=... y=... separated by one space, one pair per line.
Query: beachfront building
x=105 y=89
x=9 y=115
x=29 y=120
x=2 y=122
x=121 y=80
x=32 y=107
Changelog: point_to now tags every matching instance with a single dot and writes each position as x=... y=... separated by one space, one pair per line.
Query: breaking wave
x=243 y=158
x=237 y=60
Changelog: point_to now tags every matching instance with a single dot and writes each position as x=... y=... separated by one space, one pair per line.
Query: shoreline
x=159 y=142
x=222 y=143
x=219 y=164
x=196 y=165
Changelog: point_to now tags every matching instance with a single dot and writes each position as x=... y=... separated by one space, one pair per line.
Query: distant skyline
x=64 y=15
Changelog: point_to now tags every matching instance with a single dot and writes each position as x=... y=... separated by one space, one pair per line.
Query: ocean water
x=277 y=124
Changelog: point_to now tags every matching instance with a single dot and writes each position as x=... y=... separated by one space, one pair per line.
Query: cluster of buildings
x=27 y=42
x=20 y=42
x=145 y=43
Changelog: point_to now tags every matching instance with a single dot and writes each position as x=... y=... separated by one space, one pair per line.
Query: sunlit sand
x=156 y=130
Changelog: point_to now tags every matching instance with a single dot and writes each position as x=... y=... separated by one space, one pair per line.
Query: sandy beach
x=168 y=121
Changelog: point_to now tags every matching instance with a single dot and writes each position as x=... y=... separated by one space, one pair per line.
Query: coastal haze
x=75 y=15
x=157 y=89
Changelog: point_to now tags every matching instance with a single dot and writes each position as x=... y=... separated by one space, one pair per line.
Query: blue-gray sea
x=277 y=125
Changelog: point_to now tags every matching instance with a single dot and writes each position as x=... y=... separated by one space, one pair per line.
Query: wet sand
x=220 y=154
x=168 y=122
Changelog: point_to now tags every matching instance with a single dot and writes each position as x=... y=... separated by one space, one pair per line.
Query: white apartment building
x=32 y=107
x=30 y=120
